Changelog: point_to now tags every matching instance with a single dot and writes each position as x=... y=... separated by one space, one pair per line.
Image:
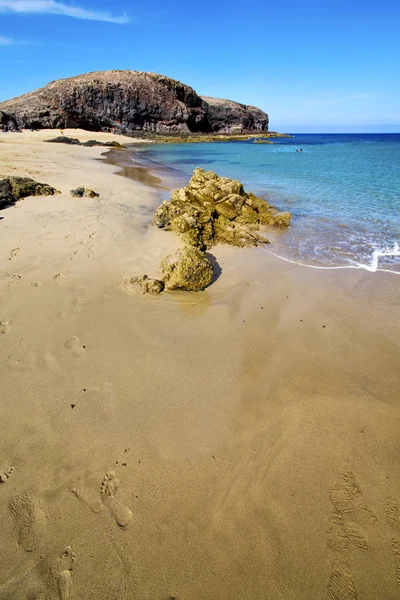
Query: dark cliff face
x=129 y=101
x=228 y=116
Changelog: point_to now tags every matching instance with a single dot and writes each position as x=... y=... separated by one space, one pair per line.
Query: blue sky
x=312 y=65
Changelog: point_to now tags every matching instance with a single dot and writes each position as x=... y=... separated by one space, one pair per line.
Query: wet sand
x=241 y=442
x=123 y=159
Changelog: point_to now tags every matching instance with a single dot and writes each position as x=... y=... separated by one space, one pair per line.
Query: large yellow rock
x=212 y=210
x=188 y=269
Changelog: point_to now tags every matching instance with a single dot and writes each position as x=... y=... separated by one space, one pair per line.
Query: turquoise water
x=343 y=191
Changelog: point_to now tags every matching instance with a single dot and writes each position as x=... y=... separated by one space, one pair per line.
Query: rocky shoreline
x=210 y=210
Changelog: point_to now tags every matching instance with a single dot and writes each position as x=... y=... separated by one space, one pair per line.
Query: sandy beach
x=240 y=443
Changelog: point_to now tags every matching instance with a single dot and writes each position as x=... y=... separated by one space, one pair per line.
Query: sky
x=313 y=66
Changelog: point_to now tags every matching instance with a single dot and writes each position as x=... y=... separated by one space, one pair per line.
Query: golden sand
x=238 y=443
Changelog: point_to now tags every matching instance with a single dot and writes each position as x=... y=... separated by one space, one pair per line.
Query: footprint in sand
x=30 y=521
x=336 y=532
x=108 y=491
x=6 y=474
x=74 y=344
x=59 y=277
x=13 y=279
x=341 y=585
x=14 y=252
x=341 y=499
x=340 y=531
x=4 y=327
x=396 y=551
x=341 y=527
x=60 y=582
x=392 y=511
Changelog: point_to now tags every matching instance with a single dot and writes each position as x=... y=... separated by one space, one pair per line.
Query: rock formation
x=188 y=269
x=127 y=101
x=208 y=211
x=89 y=144
x=212 y=210
x=80 y=192
x=226 y=116
x=13 y=189
x=149 y=286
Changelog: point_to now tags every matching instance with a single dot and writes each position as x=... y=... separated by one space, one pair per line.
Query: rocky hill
x=226 y=116
x=128 y=101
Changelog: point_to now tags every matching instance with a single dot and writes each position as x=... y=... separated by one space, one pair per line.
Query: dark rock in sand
x=62 y=139
x=81 y=192
x=127 y=101
x=212 y=210
x=91 y=143
x=13 y=189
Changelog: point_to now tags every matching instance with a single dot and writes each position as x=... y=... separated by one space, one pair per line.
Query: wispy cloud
x=331 y=98
x=53 y=7
x=4 y=41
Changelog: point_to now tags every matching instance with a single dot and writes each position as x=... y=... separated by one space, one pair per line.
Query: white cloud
x=53 y=7
x=5 y=41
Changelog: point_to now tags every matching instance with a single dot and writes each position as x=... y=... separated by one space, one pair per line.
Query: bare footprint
x=75 y=346
x=108 y=491
x=59 y=277
x=60 y=575
x=392 y=512
x=29 y=521
x=4 y=327
x=5 y=475
x=341 y=585
x=14 y=252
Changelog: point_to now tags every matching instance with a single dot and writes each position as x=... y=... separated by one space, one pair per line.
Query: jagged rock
x=13 y=189
x=7 y=197
x=231 y=117
x=212 y=209
x=127 y=101
x=149 y=286
x=81 y=191
x=188 y=269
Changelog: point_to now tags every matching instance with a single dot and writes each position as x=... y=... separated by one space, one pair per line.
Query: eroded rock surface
x=232 y=117
x=212 y=209
x=13 y=189
x=127 y=101
x=188 y=269
x=149 y=286
x=80 y=192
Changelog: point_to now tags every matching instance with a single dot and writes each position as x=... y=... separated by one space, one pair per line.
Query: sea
x=343 y=191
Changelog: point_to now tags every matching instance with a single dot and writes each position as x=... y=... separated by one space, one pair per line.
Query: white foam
x=377 y=254
x=373 y=267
